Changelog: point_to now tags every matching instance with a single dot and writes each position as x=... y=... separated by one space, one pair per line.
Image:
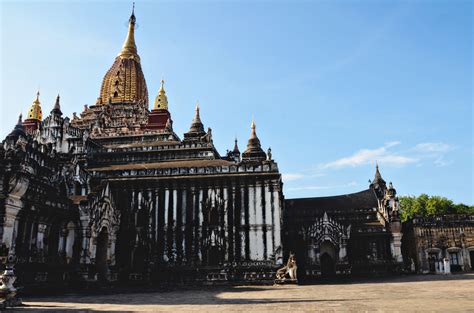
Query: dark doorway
x=432 y=259
x=327 y=266
x=471 y=257
x=213 y=256
x=101 y=254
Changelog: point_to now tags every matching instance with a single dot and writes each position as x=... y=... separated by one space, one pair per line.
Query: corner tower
x=159 y=116
x=34 y=116
x=254 y=150
x=124 y=82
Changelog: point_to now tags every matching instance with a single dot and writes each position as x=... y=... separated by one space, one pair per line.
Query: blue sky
x=333 y=85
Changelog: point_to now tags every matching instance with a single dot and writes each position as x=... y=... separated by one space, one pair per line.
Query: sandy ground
x=454 y=293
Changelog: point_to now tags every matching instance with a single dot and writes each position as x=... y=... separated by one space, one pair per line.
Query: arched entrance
x=101 y=254
x=328 y=259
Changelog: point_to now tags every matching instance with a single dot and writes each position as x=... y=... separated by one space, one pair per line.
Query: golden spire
x=129 y=49
x=161 y=101
x=35 y=112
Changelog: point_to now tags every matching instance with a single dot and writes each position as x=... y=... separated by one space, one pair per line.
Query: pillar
x=253 y=236
x=9 y=233
x=243 y=224
x=226 y=224
x=276 y=217
x=269 y=223
x=165 y=225
x=183 y=224
x=259 y=211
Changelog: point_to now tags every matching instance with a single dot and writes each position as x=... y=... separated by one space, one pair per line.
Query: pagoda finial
x=57 y=106
x=196 y=124
x=129 y=48
x=20 y=119
x=236 y=147
x=161 y=100
x=35 y=112
x=378 y=180
x=254 y=150
x=197 y=116
x=253 y=133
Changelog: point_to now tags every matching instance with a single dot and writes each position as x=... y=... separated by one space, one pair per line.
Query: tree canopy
x=425 y=205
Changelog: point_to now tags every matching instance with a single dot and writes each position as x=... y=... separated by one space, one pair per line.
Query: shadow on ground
x=392 y=279
x=211 y=295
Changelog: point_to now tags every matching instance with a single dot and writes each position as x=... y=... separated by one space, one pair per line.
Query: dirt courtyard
x=454 y=293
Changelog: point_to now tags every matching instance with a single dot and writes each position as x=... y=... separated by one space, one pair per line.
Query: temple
x=353 y=234
x=114 y=194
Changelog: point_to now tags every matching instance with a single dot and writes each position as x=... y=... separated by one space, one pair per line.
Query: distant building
x=430 y=240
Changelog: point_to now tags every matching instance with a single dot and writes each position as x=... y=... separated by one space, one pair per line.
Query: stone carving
x=327 y=229
x=7 y=290
x=287 y=271
x=104 y=215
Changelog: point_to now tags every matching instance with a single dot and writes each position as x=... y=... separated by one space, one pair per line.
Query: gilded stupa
x=161 y=101
x=124 y=82
x=35 y=112
x=34 y=116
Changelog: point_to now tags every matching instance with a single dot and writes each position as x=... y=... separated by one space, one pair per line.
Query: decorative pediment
x=326 y=228
x=213 y=239
x=104 y=213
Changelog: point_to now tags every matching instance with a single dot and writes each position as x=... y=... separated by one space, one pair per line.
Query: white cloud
x=440 y=162
x=292 y=176
x=392 y=143
x=438 y=147
x=435 y=151
x=370 y=156
x=386 y=155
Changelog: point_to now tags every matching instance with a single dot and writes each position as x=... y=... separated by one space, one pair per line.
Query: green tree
x=461 y=208
x=439 y=205
x=408 y=207
x=425 y=205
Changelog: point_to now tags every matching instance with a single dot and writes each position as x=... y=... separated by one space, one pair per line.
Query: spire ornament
x=236 y=147
x=129 y=48
x=18 y=130
x=254 y=150
x=124 y=82
x=161 y=100
x=253 y=134
x=57 y=106
x=35 y=112
x=378 y=181
x=196 y=124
